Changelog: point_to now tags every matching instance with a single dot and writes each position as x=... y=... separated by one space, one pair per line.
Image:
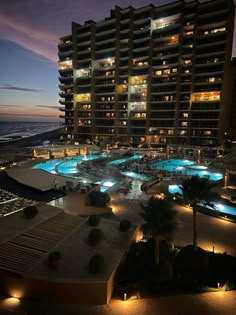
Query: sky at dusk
x=29 y=33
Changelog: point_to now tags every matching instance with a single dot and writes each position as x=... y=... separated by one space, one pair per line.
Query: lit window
x=162 y=132
x=186 y=71
x=207 y=132
x=211 y=79
x=170 y=132
x=159 y=72
x=184 y=123
x=185 y=115
x=187 y=61
x=174 y=70
x=166 y=71
x=221 y=29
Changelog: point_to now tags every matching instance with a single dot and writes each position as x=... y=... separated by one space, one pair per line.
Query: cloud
x=10 y=105
x=17 y=88
x=41 y=42
x=48 y=106
x=28 y=115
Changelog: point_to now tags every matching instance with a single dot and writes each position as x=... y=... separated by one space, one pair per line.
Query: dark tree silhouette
x=160 y=222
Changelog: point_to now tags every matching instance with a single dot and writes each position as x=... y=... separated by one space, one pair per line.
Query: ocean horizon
x=13 y=130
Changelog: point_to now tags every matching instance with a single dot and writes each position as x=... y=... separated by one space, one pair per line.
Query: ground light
x=10 y=303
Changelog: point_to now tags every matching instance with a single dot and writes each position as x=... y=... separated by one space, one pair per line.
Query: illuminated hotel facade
x=154 y=74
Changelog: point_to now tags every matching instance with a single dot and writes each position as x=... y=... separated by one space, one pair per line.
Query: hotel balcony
x=162 y=101
x=65 y=44
x=108 y=42
x=162 y=123
x=84 y=86
x=215 y=107
x=66 y=94
x=63 y=87
x=63 y=55
x=162 y=118
x=85 y=35
x=166 y=83
x=66 y=79
x=106 y=32
x=163 y=92
x=65 y=66
x=65 y=102
x=109 y=50
x=104 y=92
x=105 y=75
x=137 y=116
x=213 y=14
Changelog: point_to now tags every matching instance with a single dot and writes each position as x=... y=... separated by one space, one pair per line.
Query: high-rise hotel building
x=154 y=74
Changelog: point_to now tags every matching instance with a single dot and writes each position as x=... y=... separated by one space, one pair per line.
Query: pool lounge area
x=223 y=209
x=69 y=167
x=187 y=167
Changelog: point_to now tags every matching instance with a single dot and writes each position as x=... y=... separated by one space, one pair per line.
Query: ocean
x=13 y=130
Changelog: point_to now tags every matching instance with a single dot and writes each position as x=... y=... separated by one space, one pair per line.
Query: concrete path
x=213 y=303
x=212 y=232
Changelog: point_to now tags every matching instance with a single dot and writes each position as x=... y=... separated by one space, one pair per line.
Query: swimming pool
x=187 y=167
x=220 y=207
x=65 y=166
x=124 y=160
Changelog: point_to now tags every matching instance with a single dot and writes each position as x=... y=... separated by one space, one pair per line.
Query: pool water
x=49 y=166
x=187 y=167
x=70 y=167
x=222 y=208
x=64 y=166
x=127 y=159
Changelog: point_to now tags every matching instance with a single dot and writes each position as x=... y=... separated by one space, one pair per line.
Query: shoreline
x=47 y=135
x=19 y=149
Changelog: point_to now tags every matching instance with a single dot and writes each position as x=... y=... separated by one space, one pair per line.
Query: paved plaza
x=212 y=303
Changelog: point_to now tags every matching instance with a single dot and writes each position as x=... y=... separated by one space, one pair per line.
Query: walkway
x=213 y=303
x=211 y=231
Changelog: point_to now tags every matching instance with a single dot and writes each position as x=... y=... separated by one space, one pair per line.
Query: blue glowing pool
x=49 y=166
x=124 y=160
x=220 y=207
x=187 y=167
x=65 y=166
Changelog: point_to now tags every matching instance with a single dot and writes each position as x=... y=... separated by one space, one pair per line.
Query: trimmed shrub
x=95 y=236
x=93 y=220
x=98 y=198
x=30 y=212
x=96 y=264
x=125 y=225
x=54 y=259
x=188 y=260
x=162 y=272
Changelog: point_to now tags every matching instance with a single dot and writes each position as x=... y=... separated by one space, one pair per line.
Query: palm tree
x=197 y=189
x=160 y=222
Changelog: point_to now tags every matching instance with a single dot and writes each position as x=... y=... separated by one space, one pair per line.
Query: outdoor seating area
x=10 y=203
